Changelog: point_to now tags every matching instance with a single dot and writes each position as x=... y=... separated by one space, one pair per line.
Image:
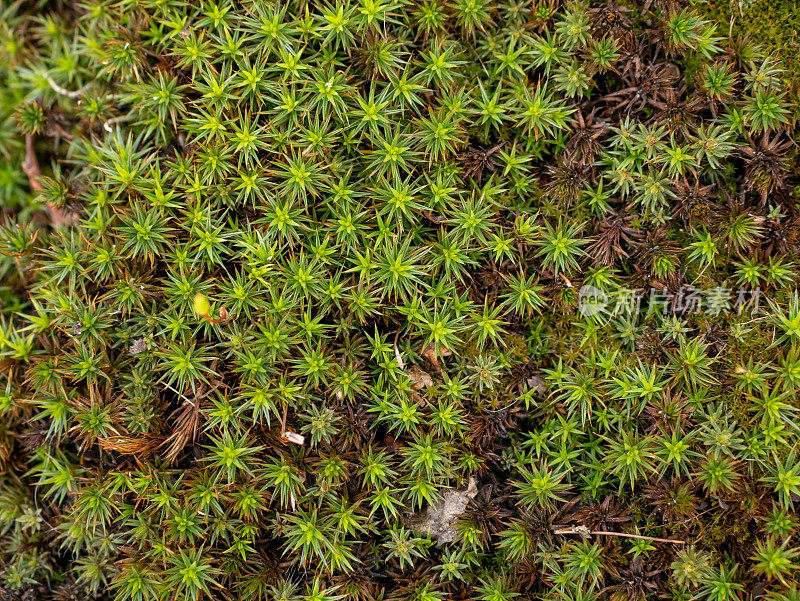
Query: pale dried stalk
x=586 y=533
x=64 y=92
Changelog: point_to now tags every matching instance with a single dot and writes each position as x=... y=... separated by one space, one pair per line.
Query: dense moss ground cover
x=374 y=299
x=773 y=24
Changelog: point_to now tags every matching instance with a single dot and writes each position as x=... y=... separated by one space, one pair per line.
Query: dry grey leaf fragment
x=438 y=520
x=294 y=437
x=432 y=354
x=420 y=379
x=138 y=347
x=538 y=384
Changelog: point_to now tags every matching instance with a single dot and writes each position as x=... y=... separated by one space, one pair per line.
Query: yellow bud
x=201 y=305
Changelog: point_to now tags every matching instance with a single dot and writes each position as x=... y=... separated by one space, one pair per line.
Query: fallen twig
x=586 y=533
x=31 y=168
x=223 y=316
x=31 y=165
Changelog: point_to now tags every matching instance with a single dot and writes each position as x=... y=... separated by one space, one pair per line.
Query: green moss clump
x=395 y=300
